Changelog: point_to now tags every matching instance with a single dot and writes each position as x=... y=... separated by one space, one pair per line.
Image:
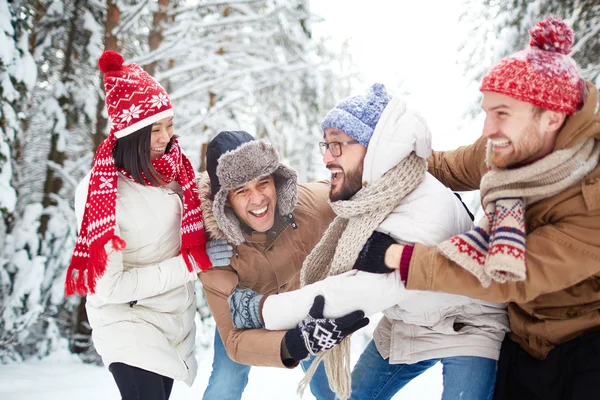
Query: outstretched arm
x=557 y=256
x=460 y=169
x=345 y=293
x=370 y=287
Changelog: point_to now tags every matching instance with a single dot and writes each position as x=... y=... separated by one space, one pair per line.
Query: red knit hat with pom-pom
x=133 y=98
x=544 y=74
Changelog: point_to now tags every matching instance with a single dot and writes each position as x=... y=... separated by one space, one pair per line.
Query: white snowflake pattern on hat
x=157 y=101
x=132 y=113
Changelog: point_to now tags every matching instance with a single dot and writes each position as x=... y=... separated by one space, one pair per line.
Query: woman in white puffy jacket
x=418 y=328
x=141 y=240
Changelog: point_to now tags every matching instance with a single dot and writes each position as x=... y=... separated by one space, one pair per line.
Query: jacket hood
x=236 y=168
x=398 y=132
x=583 y=124
x=206 y=204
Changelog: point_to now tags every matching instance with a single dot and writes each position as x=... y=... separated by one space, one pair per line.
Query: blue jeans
x=319 y=385
x=228 y=379
x=465 y=378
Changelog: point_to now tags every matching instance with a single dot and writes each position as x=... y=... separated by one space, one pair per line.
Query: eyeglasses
x=335 y=148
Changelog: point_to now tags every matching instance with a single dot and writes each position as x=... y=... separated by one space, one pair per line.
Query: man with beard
x=375 y=148
x=538 y=247
x=254 y=202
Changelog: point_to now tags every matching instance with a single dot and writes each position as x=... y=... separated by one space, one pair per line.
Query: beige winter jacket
x=267 y=263
x=560 y=298
x=142 y=313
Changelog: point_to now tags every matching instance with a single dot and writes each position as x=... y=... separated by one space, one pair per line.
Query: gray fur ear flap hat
x=235 y=158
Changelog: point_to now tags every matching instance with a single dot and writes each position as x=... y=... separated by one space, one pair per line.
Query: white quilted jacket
x=142 y=313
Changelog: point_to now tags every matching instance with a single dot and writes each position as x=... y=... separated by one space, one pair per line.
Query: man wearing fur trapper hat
x=375 y=147
x=254 y=202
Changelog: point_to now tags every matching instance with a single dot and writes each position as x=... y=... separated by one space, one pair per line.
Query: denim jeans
x=228 y=379
x=465 y=378
x=319 y=385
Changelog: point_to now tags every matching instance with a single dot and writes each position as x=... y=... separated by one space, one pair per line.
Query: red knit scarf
x=98 y=226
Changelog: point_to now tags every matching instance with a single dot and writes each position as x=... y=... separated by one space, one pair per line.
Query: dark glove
x=244 y=307
x=316 y=333
x=372 y=256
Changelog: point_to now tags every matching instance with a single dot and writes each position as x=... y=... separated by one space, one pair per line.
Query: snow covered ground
x=62 y=376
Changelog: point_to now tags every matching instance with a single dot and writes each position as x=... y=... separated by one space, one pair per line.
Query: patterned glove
x=219 y=252
x=244 y=307
x=316 y=333
x=372 y=256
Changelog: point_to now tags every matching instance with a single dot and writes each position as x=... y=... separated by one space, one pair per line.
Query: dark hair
x=132 y=153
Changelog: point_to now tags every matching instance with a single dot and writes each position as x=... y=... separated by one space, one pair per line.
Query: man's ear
x=227 y=203
x=553 y=120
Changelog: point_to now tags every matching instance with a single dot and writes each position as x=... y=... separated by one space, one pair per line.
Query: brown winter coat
x=267 y=263
x=560 y=298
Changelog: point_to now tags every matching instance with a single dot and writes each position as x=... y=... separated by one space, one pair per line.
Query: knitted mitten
x=372 y=256
x=244 y=307
x=316 y=333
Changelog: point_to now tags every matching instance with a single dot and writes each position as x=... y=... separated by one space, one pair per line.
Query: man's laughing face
x=347 y=168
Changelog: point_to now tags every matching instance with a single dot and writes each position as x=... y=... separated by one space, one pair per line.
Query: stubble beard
x=529 y=148
x=352 y=184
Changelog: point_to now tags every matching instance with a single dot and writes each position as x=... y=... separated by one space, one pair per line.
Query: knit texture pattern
x=544 y=74
x=133 y=98
x=357 y=116
x=495 y=249
x=244 y=309
x=88 y=262
x=341 y=244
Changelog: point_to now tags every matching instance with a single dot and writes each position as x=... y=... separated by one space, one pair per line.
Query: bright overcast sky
x=412 y=44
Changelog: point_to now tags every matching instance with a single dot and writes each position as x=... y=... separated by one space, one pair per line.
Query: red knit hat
x=544 y=74
x=133 y=98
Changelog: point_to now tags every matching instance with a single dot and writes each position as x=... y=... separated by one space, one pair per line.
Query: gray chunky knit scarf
x=495 y=249
x=339 y=247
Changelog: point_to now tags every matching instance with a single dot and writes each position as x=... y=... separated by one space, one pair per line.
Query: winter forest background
x=239 y=64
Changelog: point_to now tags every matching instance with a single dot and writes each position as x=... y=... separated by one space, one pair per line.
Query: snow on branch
x=130 y=17
x=225 y=22
x=197 y=7
x=581 y=42
x=66 y=178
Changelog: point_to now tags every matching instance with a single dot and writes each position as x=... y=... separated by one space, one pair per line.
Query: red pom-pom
x=110 y=61
x=552 y=35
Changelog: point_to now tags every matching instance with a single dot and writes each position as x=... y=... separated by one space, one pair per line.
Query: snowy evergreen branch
x=199 y=6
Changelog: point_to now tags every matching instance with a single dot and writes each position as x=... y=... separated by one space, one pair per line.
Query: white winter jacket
x=142 y=313
x=417 y=325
